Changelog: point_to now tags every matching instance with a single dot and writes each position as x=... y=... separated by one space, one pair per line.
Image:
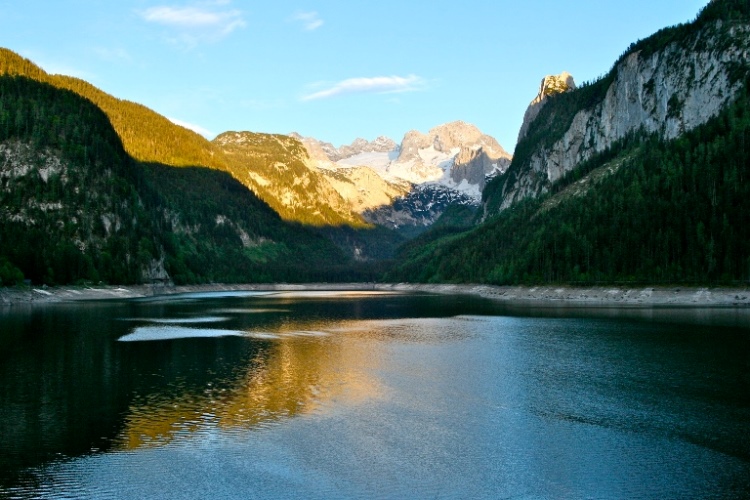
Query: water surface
x=366 y=395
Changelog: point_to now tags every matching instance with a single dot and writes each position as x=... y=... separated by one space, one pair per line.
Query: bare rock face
x=551 y=85
x=381 y=144
x=444 y=138
x=325 y=151
x=317 y=150
x=458 y=148
x=475 y=165
x=667 y=93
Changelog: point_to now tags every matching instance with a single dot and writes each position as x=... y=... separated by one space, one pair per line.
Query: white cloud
x=377 y=85
x=198 y=22
x=310 y=20
x=195 y=128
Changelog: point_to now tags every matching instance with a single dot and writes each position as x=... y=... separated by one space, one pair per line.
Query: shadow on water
x=68 y=388
x=85 y=379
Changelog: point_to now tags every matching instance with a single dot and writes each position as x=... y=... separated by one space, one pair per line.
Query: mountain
x=666 y=85
x=456 y=155
x=76 y=207
x=639 y=177
x=146 y=135
x=408 y=186
x=551 y=85
x=278 y=170
x=304 y=195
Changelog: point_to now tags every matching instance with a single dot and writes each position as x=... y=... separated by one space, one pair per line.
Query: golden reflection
x=298 y=373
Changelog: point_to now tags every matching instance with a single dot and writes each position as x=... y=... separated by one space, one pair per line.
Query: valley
x=639 y=176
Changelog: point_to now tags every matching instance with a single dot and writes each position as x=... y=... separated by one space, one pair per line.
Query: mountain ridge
x=671 y=83
x=622 y=199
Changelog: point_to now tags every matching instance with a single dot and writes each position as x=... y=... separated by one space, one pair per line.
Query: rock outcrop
x=667 y=92
x=326 y=151
x=451 y=154
x=551 y=85
x=474 y=166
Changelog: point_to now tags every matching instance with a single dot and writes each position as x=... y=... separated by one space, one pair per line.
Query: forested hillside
x=75 y=206
x=647 y=208
x=146 y=135
x=665 y=84
x=647 y=211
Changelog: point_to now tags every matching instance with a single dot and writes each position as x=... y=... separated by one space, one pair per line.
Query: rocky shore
x=530 y=295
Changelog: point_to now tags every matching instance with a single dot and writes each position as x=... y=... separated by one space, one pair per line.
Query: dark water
x=315 y=395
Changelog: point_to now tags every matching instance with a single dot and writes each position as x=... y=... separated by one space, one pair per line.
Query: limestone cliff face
x=551 y=85
x=458 y=148
x=668 y=92
x=327 y=152
x=474 y=165
x=278 y=169
x=363 y=188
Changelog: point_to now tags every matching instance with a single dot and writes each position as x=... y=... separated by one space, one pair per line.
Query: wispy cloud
x=206 y=21
x=376 y=85
x=195 y=128
x=310 y=20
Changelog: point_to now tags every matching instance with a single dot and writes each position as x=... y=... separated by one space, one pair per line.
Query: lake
x=371 y=395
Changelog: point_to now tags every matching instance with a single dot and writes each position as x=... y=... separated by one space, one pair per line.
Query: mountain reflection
x=299 y=373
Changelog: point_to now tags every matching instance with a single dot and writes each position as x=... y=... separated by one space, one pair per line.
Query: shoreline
x=544 y=295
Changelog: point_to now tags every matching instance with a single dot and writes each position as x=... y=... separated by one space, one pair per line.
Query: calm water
x=357 y=395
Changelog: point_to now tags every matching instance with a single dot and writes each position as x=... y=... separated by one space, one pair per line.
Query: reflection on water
x=178 y=321
x=289 y=377
x=151 y=333
x=372 y=395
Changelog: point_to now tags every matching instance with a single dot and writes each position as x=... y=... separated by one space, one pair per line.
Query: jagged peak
x=554 y=84
x=551 y=85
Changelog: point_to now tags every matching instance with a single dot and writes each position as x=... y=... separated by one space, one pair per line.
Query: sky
x=333 y=70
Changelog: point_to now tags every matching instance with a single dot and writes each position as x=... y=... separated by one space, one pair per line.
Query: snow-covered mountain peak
x=456 y=155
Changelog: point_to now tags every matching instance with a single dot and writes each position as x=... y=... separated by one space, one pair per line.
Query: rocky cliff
x=665 y=85
x=410 y=184
x=457 y=155
x=278 y=169
x=325 y=151
x=551 y=85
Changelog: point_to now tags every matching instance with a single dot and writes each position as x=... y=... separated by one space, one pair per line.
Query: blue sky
x=332 y=70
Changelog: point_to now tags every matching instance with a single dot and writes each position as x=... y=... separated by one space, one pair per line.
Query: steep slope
x=304 y=195
x=146 y=135
x=408 y=186
x=668 y=85
x=647 y=208
x=74 y=206
x=277 y=168
x=551 y=85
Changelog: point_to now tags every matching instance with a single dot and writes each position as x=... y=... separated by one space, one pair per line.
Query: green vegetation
x=273 y=167
x=669 y=212
x=76 y=207
x=149 y=137
x=146 y=135
x=556 y=116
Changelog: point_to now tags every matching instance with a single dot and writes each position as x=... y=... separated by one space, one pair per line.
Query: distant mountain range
x=318 y=184
x=640 y=175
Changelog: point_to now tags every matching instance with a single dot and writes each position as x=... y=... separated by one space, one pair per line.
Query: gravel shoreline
x=611 y=296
